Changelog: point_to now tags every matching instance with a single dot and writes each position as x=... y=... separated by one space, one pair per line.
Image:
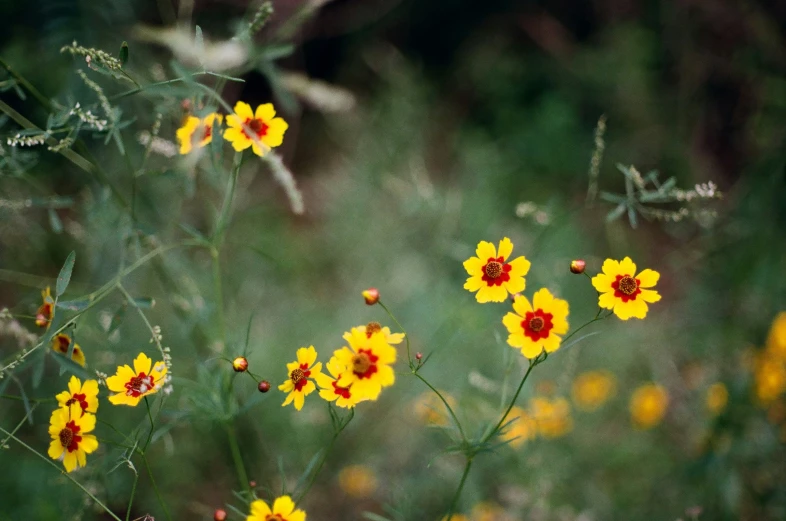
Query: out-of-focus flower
x=131 y=385
x=70 y=444
x=552 y=416
x=85 y=394
x=430 y=410
x=488 y=511
x=776 y=340
x=769 y=378
x=491 y=276
x=390 y=337
x=371 y=296
x=537 y=326
x=592 y=388
x=299 y=384
x=520 y=427
x=357 y=481
x=43 y=317
x=456 y=517
x=60 y=343
x=329 y=389
x=648 y=405
x=267 y=128
x=283 y=510
x=623 y=291
x=717 y=398
x=367 y=363
x=197 y=132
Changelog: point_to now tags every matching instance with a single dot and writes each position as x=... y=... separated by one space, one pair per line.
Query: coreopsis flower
x=367 y=362
x=329 y=388
x=491 y=275
x=717 y=398
x=376 y=327
x=430 y=410
x=43 y=317
x=197 y=132
x=85 y=394
x=131 y=385
x=592 y=388
x=268 y=130
x=769 y=377
x=357 y=481
x=520 y=427
x=488 y=511
x=537 y=326
x=648 y=405
x=60 y=343
x=283 y=510
x=776 y=339
x=70 y=444
x=299 y=384
x=552 y=416
x=623 y=291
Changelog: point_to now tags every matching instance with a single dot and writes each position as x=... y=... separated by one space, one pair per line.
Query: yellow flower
x=592 y=388
x=776 y=340
x=283 y=510
x=430 y=409
x=390 y=338
x=357 y=481
x=367 y=362
x=520 y=427
x=298 y=384
x=86 y=395
x=456 y=517
x=552 y=416
x=622 y=291
x=70 y=443
x=717 y=398
x=268 y=130
x=197 y=131
x=491 y=275
x=648 y=405
x=60 y=343
x=488 y=511
x=536 y=327
x=329 y=389
x=43 y=317
x=131 y=385
x=769 y=377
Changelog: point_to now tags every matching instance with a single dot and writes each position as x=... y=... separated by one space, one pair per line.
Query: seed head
x=264 y=386
x=577 y=266
x=240 y=364
x=371 y=295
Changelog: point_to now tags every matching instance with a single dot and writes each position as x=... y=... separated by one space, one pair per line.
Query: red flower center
x=626 y=287
x=300 y=376
x=364 y=363
x=78 y=398
x=537 y=324
x=139 y=385
x=496 y=271
x=44 y=314
x=69 y=436
x=258 y=126
x=341 y=391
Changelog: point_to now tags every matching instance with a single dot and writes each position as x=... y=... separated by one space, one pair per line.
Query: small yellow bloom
x=592 y=388
x=491 y=275
x=456 y=517
x=131 y=385
x=268 y=130
x=85 y=394
x=60 y=343
x=622 y=291
x=648 y=405
x=298 y=384
x=537 y=326
x=769 y=377
x=776 y=340
x=552 y=416
x=70 y=444
x=283 y=510
x=430 y=409
x=43 y=317
x=717 y=398
x=367 y=363
x=488 y=511
x=376 y=327
x=519 y=428
x=197 y=131
x=329 y=389
x=357 y=481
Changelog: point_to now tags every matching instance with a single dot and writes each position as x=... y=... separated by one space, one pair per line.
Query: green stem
x=33 y=400
x=532 y=363
x=237 y=457
x=460 y=488
x=450 y=409
x=406 y=336
x=155 y=488
x=216 y=261
x=152 y=425
x=131 y=499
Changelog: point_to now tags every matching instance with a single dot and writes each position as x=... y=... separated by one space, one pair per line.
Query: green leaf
x=26 y=401
x=199 y=45
x=634 y=222
x=145 y=302
x=374 y=517
x=65 y=274
x=616 y=213
x=309 y=469
x=54 y=221
x=123 y=53
x=38 y=368
x=66 y=364
x=117 y=319
x=73 y=305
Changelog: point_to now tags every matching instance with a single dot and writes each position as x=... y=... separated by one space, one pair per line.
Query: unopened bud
x=371 y=295
x=577 y=266
x=252 y=483
x=418 y=356
x=240 y=364
x=219 y=515
x=264 y=386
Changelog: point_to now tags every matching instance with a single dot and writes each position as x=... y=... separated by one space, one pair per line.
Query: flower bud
x=371 y=295
x=219 y=515
x=418 y=356
x=264 y=386
x=577 y=266
x=240 y=364
x=514 y=296
x=252 y=484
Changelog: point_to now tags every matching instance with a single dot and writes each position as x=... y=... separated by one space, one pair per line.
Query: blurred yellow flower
x=717 y=398
x=430 y=409
x=366 y=363
x=623 y=291
x=131 y=385
x=85 y=394
x=283 y=510
x=491 y=275
x=329 y=389
x=552 y=416
x=390 y=337
x=70 y=444
x=197 y=131
x=298 y=384
x=60 y=343
x=268 y=130
x=537 y=326
x=43 y=317
x=488 y=511
x=520 y=427
x=776 y=340
x=591 y=389
x=456 y=517
x=769 y=378
x=648 y=405
x=357 y=481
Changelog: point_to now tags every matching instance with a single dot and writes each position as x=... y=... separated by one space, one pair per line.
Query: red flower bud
x=240 y=364
x=219 y=515
x=577 y=266
x=371 y=295
x=252 y=484
x=418 y=356
x=264 y=386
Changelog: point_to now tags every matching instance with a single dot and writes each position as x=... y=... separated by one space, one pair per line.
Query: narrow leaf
x=123 y=53
x=54 y=221
x=65 y=274
x=616 y=213
x=73 y=305
x=199 y=45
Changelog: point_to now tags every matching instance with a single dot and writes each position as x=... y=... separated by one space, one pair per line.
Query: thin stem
x=450 y=409
x=406 y=336
x=19 y=425
x=155 y=488
x=237 y=457
x=152 y=425
x=460 y=488
x=131 y=499
x=33 y=400
x=216 y=261
x=532 y=363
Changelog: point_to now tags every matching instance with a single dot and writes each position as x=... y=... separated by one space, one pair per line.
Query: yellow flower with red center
x=329 y=389
x=299 y=385
x=623 y=291
x=537 y=326
x=70 y=444
x=648 y=405
x=367 y=363
x=519 y=427
x=491 y=275
x=283 y=510
x=43 y=317
x=357 y=481
x=552 y=416
x=592 y=388
x=390 y=337
x=197 y=131
x=717 y=398
x=84 y=394
x=131 y=385
x=60 y=344
x=266 y=130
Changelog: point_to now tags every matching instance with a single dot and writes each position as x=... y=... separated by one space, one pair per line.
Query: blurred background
x=418 y=129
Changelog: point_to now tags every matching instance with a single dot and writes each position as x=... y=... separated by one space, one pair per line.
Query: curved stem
x=152 y=426
x=238 y=459
x=155 y=488
x=450 y=409
x=133 y=492
x=460 y=489
x=532 y=363
x=406 y=336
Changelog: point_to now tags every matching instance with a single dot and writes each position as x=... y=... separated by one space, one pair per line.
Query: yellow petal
x=260 y=509
x=324 y=381
x=275 y=133
x=602 y=282
x=297 y=515
x=89 y=443
x=328 y=394
x=627 y=267
x=74 y=385
x=243 y=110
x=531 y=349
x=386 y=375
x=142 y=364
x=521 y=306
x=505 y=248
x=284 y=504
x=69 y=461
x=474 y=283
x=485 y=251
x=516 y=340
x=300 y=399
x=648 y=295
x=55 y=449
x=233 y=121
x=551 y=343
x=512 y=322
x=266 y=113
x=611 y=268
x=287 y=386
x=290 y=397
x=309 y=388
x=81 y=458
x=519 y=267
x=607 y=300
x=474 y=265
x=87 y=422
x=62 y=398
x=307 y=355
x=542 y=299
x=648 y=278
x=491 y=294
x=258 y=149
x=514 y=285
